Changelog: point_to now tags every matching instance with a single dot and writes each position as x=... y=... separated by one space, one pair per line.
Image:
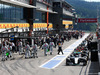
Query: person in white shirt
x=13 y=47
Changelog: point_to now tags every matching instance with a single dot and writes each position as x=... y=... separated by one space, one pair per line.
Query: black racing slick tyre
x=84 y=63
x=67 y=62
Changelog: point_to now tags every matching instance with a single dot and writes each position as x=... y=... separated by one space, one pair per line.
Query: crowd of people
x=21 y=46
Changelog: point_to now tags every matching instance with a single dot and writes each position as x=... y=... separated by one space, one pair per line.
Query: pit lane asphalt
x=22 y=66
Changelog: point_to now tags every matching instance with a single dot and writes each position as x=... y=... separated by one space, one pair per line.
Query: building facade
x=46 y=14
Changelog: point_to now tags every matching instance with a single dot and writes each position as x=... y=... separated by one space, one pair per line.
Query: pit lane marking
x=58 y=59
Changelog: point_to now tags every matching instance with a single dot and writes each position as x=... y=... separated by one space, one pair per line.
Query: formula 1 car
x=84 y=43
x=83 y=53
x=76 y=59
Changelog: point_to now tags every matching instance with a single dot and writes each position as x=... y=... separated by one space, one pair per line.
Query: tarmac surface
x=22 y=66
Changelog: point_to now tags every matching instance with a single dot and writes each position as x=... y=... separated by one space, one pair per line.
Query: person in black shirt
x=60 y=47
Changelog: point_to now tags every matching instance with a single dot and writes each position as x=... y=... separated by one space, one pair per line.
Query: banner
x=67 y=22
x=21 y=25
x=87 y=20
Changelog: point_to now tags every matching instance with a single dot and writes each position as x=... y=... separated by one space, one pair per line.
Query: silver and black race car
x=76 y=59
x=83 y=53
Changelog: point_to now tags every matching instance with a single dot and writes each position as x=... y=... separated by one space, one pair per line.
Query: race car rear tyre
x=84 y=63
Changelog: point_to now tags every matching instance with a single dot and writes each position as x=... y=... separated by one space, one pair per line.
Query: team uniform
x=34 y=51
x=45 y=47
x=20 y=47
x=51 y=47
x=9 y=50
x=4 y=50
x=27 y=52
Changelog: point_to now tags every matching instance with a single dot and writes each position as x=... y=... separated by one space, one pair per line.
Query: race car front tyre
x=67 y=62
x=85 y=63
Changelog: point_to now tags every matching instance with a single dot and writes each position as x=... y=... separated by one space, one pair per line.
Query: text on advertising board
x=87 y=20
